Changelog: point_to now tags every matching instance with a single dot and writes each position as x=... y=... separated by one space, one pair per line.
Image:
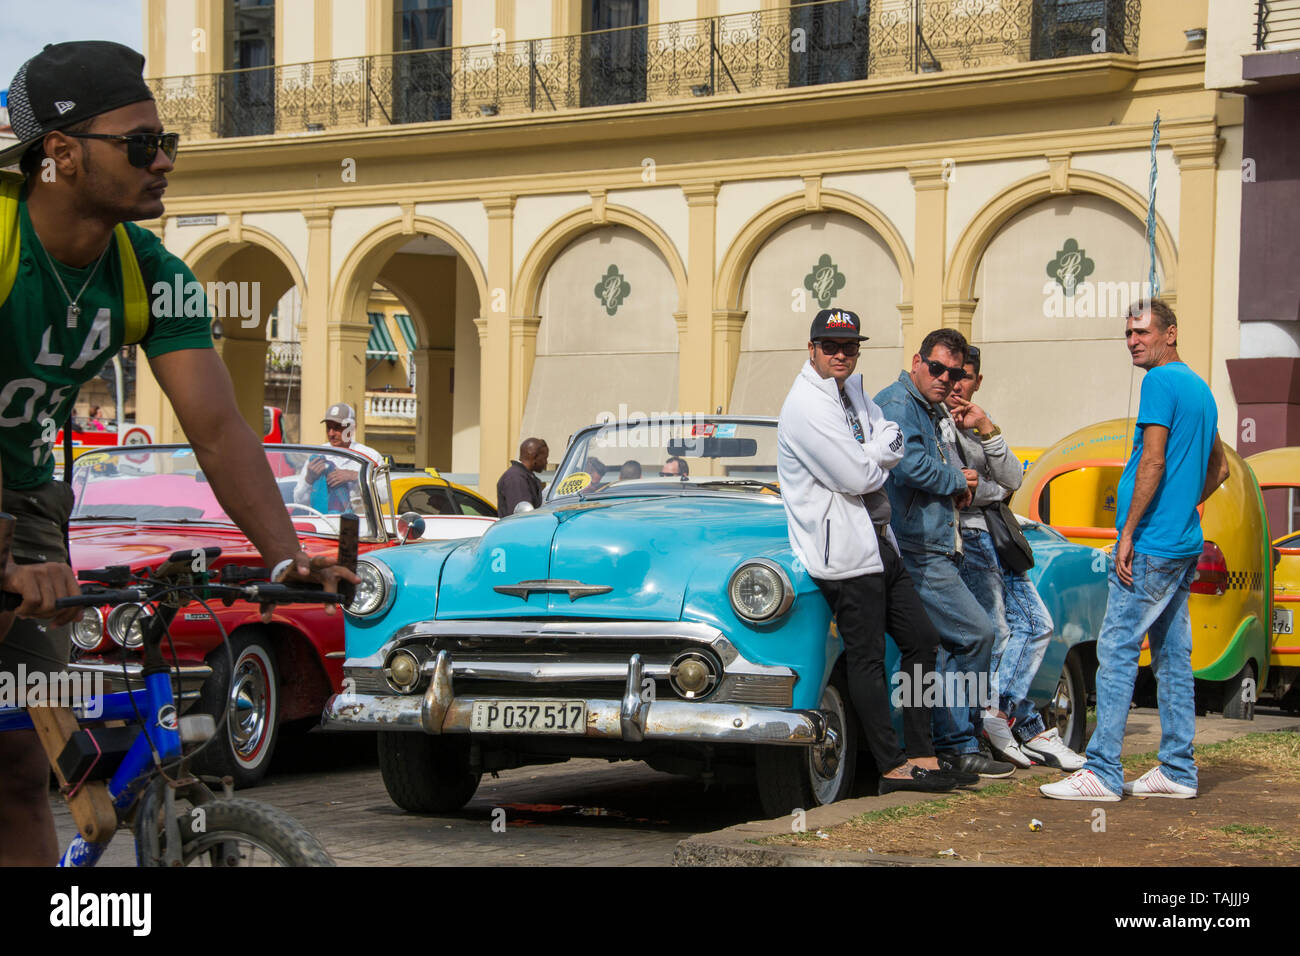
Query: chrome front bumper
x=633 y=718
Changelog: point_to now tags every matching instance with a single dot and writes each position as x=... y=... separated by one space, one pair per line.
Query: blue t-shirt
x=1176 y=397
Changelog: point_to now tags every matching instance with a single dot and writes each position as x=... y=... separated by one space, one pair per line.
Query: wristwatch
x=993 y=434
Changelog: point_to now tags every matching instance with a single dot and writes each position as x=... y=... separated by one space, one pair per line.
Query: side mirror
x=523 y=507
x=410 y=527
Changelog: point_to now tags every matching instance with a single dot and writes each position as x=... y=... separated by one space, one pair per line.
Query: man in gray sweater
x=1021 y=623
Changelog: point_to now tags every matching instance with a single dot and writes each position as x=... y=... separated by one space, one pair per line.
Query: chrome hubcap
x=248 y=708
x=825 y=760
x=1062 y=707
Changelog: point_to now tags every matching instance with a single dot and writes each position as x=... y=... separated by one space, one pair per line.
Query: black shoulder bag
x=1009 y=541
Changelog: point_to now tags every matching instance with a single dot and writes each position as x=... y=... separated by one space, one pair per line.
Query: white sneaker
x=998 y=733
x=1048 y=748
x=1083 y=785
x=1154 y=783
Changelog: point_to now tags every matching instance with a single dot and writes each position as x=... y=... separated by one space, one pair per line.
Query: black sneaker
x=960 y=777
x=976 y=763
x=927 y=781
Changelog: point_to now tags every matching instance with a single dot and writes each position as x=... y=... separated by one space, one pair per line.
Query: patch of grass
x=1247 y=828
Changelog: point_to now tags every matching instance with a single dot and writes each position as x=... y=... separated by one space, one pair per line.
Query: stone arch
x=440 y=426
x=959 y=282
x=763 y=224
x=549 y=245
x=386 y=238
x=211 y=251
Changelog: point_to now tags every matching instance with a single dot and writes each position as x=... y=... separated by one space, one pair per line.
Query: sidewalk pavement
x=732 y=846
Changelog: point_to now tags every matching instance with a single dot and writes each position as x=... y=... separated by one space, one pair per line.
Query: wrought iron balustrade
x=1277 y=24
x=806 y=44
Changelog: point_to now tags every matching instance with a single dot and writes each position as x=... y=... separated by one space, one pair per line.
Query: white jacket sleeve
x=823 y=443
x=886 y=445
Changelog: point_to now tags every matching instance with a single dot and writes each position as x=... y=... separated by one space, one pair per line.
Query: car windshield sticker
x=725 y=431
x=573 y=484
x=703 y=431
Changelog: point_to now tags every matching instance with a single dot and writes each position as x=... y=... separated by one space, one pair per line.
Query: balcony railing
x=384 y=405
x=807 y=44
x=1277 y=24
x=283 y=356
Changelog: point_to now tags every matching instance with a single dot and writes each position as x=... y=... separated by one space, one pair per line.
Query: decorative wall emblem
x=824 y=281
x=1070 y=267
x=612 y=289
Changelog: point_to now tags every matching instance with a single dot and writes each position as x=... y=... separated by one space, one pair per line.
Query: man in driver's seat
x=325 y=484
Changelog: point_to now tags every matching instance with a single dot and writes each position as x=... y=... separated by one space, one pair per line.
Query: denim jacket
x=921 y=486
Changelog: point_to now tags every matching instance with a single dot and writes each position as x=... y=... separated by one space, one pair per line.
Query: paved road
x=579 y=813
x=583 y=812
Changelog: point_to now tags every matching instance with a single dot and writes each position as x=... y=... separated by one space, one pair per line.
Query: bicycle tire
x=240 y=832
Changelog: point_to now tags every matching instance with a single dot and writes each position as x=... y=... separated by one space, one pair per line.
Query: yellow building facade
x=645 y=218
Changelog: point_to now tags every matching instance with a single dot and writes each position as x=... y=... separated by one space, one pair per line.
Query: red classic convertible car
x=142 y=503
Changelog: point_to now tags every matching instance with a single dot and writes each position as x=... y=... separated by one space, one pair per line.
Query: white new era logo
x=64 y=105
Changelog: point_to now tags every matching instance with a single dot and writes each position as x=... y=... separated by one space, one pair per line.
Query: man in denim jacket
x=927 y=491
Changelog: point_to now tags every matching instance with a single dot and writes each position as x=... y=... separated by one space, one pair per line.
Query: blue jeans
x=1022 y=626
x=1155 y=606
x=965 y=644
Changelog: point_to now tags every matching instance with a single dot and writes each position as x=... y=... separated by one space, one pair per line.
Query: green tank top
x=46 y=356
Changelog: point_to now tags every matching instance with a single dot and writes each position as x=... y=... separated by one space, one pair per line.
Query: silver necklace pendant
x=74 y=313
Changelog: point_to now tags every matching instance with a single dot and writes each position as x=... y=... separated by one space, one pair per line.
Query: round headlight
x=760 y=591
x=126 y=624
x=373 y=591
x=402 y=671
x=88 y=631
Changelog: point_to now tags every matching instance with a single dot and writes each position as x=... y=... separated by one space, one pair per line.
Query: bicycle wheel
x=239 y=832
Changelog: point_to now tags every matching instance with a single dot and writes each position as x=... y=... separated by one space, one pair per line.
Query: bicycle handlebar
x=304 y=593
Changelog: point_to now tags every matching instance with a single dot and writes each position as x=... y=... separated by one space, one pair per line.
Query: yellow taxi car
x=1278 y=473
x=1074 y=485
x=428 y=493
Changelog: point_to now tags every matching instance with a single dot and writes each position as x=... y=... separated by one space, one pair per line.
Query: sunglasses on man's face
x=938 y=369
x=141 y=148
x=849 y=349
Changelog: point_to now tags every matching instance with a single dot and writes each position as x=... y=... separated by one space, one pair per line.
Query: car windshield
x=659 y=456
x=164 y=484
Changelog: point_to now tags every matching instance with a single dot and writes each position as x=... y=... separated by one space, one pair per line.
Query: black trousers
x=865 y=608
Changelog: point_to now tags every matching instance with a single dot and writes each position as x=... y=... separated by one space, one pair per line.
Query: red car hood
x=98 y=544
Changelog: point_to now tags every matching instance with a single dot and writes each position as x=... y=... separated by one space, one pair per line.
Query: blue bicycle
x=137 y=775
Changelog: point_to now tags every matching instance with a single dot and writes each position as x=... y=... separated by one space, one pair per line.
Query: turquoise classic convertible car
x=651 y=609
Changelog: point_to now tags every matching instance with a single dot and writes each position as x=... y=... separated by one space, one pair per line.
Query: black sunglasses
x=141 y=148
x=849 y=349
x=937 y=369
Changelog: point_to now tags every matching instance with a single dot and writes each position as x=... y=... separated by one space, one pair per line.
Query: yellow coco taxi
x=1073 y=487
x=1278 y=473
x=428 y=493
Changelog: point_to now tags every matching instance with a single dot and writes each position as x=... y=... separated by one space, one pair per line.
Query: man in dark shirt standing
x=519 y=483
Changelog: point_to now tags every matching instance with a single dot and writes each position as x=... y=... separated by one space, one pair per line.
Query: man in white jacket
x=834 y=452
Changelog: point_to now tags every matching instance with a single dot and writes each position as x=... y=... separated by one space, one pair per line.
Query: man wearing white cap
x=340 y=425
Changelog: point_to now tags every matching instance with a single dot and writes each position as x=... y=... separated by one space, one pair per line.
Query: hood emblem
x=575 y=589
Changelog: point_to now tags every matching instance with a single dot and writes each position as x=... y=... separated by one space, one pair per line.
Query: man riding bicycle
x=75 y=285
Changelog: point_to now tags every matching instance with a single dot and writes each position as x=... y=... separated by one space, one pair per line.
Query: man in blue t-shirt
x=1177 y=462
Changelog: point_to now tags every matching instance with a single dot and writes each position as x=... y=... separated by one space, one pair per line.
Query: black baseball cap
x=67 y=83
x=836 y=324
